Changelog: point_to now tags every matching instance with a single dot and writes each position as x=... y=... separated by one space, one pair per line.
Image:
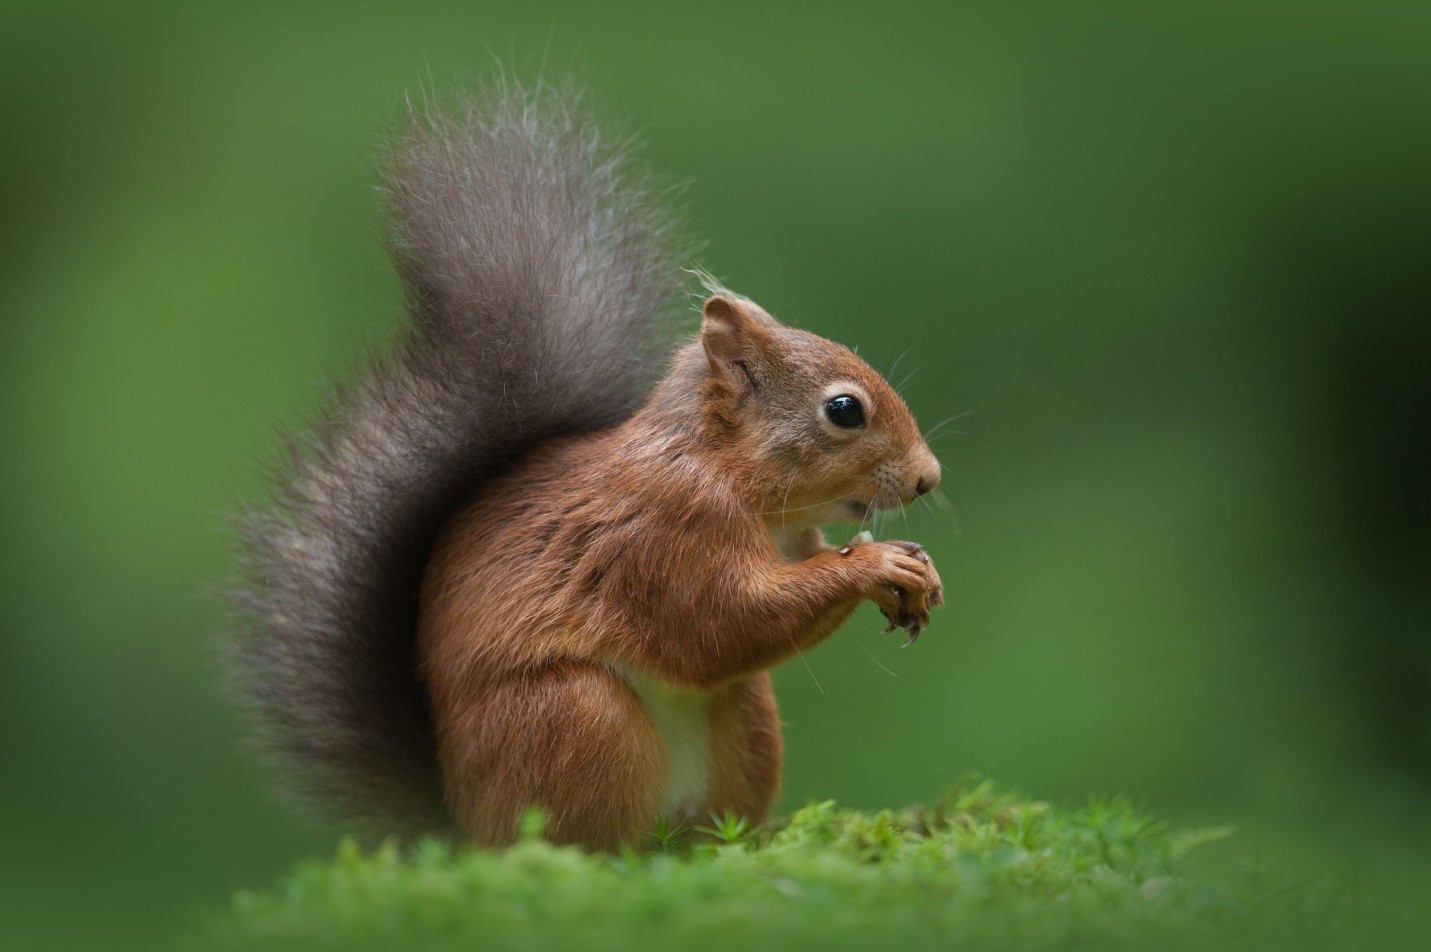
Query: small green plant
x=668 y=838
x=730 y=828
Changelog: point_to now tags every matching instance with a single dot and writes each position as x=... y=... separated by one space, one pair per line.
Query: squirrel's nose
x=929 y=478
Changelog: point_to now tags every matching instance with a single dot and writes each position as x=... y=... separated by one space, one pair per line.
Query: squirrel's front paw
x=903 y=583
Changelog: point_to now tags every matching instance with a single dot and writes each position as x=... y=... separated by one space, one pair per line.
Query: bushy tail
x=541 y=276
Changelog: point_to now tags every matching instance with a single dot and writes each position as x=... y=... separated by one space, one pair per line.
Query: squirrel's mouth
x=859 y=508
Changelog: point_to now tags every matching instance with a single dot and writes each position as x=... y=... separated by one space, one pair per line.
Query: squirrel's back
x=540 y=275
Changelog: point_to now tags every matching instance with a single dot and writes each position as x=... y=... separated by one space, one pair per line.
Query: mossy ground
x=978 y=869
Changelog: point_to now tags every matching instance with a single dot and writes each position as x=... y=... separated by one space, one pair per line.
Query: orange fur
x=680 y=549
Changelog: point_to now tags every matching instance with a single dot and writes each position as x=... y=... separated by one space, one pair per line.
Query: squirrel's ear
x=735 y=337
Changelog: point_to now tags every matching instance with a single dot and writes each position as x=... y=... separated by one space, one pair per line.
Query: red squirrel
x=505 y=571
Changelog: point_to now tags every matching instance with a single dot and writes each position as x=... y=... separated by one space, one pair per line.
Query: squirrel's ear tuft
x=736 y=337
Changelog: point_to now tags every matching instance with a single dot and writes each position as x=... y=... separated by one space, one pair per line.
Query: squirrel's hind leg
x=745 y=749
x=571 y=739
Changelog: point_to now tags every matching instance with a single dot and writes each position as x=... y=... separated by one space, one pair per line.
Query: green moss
x=977 y=869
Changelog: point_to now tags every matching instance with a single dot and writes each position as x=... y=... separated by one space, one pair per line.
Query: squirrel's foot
x=908 y=585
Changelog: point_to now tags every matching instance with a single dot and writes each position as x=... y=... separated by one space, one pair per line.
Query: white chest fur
x=681 y=716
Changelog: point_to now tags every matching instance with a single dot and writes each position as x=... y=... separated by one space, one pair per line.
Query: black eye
x=845 y=411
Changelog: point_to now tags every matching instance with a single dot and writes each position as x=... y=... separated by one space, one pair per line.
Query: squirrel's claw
x=913 y=624
x=914 y=629
x=916 y=550
x=897 y=618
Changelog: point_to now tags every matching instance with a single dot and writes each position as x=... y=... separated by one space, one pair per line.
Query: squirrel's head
x=825 y=436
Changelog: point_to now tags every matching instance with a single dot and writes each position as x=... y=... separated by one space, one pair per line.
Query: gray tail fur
x=541 y=274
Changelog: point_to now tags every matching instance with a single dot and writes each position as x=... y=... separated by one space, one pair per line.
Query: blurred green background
x=1171 y=261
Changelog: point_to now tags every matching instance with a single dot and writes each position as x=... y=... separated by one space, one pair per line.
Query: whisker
x=785 y=506
x=940 y=436
x=811 y=671
x=947 y=507
x=781 y=512
x=944 y=422
x=899 y=387
x=877 y=662
x=863 y=519
x=895 y=366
